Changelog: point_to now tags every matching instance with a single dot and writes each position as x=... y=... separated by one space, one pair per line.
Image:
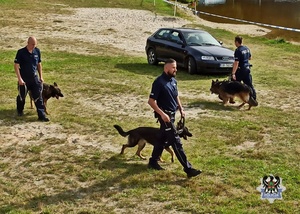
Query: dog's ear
x=55 y=84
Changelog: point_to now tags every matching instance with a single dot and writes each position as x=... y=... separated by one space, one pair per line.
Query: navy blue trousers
x=169 y=136
x=35 y=86
x=245 y=76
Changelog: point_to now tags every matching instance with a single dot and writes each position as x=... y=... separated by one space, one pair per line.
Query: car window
x=209 y=39
x=200 y=38
x=175 y=37
x=163 y=34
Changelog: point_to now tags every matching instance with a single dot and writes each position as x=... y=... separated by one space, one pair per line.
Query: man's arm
x=40 y=71
x=154 y=106
x=17 y=70
x=235 y=67
x=181 y=110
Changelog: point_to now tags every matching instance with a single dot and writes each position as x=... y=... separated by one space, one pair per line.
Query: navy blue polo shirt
x=242 y=55
x=28 y=62
x=164 y=91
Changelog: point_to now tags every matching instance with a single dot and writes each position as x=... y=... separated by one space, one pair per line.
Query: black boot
x=191 y=172
x=154 y=165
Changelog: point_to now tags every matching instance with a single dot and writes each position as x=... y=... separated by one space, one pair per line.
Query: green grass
x=74 y=167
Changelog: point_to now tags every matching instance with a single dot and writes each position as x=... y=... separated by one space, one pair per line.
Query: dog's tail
x=121 y=131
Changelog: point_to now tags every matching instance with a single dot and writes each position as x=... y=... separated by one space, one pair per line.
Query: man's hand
x=21 y=82
x=182 y=112
x=165 y=118
x=233 y=77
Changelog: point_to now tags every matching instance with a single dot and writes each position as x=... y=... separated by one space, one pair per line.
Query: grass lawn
x=72 y=164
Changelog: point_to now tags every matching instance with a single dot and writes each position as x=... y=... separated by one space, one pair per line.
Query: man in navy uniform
x=241 y=65
x=164 y=100
x=28 y=68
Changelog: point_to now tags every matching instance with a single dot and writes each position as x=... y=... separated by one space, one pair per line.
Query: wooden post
x=175 y=8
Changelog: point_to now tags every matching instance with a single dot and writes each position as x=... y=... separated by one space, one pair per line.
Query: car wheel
x=191 y=65
x=151 y=57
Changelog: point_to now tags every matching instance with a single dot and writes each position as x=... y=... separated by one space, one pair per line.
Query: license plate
x=226 y=65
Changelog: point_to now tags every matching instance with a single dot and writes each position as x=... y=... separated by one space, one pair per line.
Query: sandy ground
x=123 y=28
x=107 y=25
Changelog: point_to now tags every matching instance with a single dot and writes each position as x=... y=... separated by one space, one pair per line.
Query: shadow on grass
x=112 y=184
x=10 y=117
x=145 y=69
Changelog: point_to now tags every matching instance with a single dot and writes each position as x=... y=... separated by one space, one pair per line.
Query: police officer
x=241 y=65
x=164 y=100
x=27 y=64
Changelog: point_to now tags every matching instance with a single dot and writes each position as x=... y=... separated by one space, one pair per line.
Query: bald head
x=31 y=43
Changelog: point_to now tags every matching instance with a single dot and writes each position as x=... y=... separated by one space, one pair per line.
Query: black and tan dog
x=141 y=135
x=228 y=90
x=48 y=92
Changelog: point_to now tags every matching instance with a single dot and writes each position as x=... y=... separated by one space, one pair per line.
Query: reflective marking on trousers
x=177 y=152
x=168 y=129
x=180 y=157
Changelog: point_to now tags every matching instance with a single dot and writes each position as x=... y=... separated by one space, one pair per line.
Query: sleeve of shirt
x=236 y=55
x=155 y=90
x=17 y=58
x=39 y=54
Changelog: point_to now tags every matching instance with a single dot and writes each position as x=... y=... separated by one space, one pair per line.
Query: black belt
x=169 y=112
x=247 y=67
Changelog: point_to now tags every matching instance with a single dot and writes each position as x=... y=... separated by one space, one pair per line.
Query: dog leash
x=180 y=125
x=25 y=91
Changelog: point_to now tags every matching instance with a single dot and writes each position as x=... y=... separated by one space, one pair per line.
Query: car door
x=176 y=47
x=162 y=44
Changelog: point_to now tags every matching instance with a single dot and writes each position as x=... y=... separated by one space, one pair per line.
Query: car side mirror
x=221 y=43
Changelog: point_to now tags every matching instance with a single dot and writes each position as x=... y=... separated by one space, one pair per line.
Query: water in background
x=285 y=13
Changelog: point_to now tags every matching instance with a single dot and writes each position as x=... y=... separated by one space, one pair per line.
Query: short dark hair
x=238 y=39
x=170 y=61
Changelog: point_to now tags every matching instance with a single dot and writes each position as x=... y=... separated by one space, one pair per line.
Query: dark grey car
x=195 y=50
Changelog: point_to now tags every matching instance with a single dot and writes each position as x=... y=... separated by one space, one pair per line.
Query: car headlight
x=207 y=58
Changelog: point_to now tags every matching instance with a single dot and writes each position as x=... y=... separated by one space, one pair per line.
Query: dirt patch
x=246 y=145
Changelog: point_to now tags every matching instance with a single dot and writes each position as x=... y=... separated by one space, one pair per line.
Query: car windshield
x=200 y=38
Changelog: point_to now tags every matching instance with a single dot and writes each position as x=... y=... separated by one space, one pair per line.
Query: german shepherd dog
x=227 y=90
x=139 y=136
x=48 y=92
